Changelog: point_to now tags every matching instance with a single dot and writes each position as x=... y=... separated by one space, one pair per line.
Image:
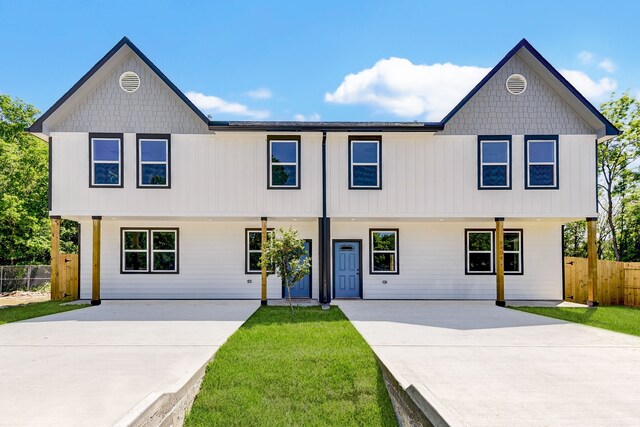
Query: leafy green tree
x=286 y=256
x=575 y=239
x=615 y=162
x=24 y=224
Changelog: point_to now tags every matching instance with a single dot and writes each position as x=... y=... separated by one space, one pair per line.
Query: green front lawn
x=34 y=309
x=312 y=369
x=614 y=318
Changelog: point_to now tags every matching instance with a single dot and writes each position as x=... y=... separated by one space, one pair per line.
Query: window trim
x=284 y=138
x=123 y=251
x=247 y=251
x=157 y=137
x=481 y=164
x=118 y=136
x=556 y=176
x=520 y=231
x=491 y=231
x=521 y=252
x=396 y=252
x=150 y=250
x=365 y=138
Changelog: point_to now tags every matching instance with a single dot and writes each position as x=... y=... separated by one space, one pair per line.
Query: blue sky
x=288 y=60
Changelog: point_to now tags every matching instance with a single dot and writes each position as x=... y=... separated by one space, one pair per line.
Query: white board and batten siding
x=225 y=174
x=211 y=262
x=436 y=176
x=432 y=261
x=211 y=175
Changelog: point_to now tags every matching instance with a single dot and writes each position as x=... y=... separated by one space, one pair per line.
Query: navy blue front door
x=346 y=269
x=302 y=289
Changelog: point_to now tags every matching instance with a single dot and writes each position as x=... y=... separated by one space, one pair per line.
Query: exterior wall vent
x=516 y=84
x=129 y=81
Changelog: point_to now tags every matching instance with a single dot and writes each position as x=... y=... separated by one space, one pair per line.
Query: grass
x=34 y=309
x=311 y=369
x=614 y=318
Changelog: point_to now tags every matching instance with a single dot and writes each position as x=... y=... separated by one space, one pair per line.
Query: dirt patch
x=22 y=297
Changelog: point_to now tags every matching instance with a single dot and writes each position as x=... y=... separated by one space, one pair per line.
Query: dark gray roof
x=335 y=126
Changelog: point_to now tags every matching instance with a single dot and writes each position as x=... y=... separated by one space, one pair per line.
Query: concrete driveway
x=481 y=365
x=101 y=365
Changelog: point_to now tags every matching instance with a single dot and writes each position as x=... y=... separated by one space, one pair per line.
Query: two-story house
x=172 y=205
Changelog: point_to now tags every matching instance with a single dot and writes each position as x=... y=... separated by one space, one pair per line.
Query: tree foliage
x=286 y=256
x=618 y=188
x=24 y=218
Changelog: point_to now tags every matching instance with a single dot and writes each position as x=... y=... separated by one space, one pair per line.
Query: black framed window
x=541 y=162
x=283 y=153
x=253 y=249
x=149 y=250
x=106 y=160
x=513 y=251
x=494 y=162
x=365 y=162
x=480 y=251
x=154 y=161
x=383 y=249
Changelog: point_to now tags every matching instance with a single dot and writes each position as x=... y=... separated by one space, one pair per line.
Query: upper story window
x=384 y=252
x=541 y=162
x=494 y=162
x=146 y=250
x=365 y=162
x=284 y=162
x=480 y=251
x=105 y=157
x=154 y=161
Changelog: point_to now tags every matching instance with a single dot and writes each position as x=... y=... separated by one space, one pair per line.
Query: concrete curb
x=415 y=407
x=167 y=409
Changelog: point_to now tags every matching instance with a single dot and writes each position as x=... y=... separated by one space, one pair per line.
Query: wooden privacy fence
x=67 y=278
x=618 y=282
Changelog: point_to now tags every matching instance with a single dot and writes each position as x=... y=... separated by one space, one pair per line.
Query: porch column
x=500 y=262
x=95 y=270
x=55 y=256
x=263 y=299
x=592 y=255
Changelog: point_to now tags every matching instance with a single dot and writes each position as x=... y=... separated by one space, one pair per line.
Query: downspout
x=325 y=296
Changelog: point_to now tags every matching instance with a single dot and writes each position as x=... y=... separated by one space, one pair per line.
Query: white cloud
x=587 y=86
x=397 y=86
x=586 y=57
x=607 y=65
x=315 y=117
x=405 y=89
x=213 y=104
x=260 y=93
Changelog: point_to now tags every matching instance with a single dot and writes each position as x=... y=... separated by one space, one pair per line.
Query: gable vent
x=129 y=81
x=516 y=84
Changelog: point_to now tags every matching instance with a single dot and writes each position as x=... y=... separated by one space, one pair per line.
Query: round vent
x=129 y=81
x=516 y=84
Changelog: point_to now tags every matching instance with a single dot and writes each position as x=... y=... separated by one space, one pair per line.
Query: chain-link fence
x=24 y=277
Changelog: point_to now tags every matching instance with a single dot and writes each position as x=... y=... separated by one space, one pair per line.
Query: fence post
x=28 y=278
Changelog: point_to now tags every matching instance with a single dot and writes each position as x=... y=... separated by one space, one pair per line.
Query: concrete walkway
x=480 y=365
x=96 y=366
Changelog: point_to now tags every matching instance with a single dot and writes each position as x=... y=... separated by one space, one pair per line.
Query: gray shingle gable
x=153 y=108
x=539 y=110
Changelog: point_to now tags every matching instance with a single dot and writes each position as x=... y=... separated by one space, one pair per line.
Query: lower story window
x=254 y=250
x=480 y=256
x=384 y=251
x=480 y=251
x=513 y=251
x=149 y=250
